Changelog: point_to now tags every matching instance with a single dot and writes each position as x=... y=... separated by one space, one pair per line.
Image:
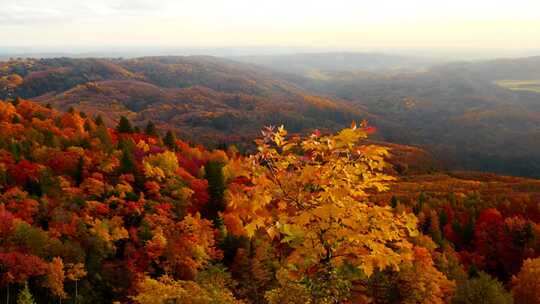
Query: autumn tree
x=24 y=296
x=74 y=273
x=312 y=195
x=190 y=247
x=55 y=278
x=17 y=268
x=167 y=290
x=482 y=289
x=526 y=284
x=415 y=282
x=160 y=166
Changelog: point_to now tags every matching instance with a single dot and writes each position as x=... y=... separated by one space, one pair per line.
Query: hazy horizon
x=340 y=25
x=434 y=54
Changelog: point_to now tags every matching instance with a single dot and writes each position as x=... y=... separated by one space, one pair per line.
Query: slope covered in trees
x=91 y=214
x=206 y=99
x=444 y=109
x=457 y=111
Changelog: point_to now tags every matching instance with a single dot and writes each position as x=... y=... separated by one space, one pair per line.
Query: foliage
x=159 y=166
x=24 y=296
x=526 y=284
x=124 y=125
x=93 y=215
x=166 y=290
x=311 y=196
x=482 y=289
x=55 y=277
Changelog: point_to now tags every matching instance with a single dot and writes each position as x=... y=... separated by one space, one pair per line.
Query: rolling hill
x=202 y=98
x=457 y=111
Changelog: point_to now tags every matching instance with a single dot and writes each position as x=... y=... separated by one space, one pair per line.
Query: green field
x=520 y=85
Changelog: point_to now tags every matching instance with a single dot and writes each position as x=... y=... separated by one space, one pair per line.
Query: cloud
x=23 y=12
x=137 y=5
x=20 y=13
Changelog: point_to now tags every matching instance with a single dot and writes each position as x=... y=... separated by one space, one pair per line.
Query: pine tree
x=79 y=171
x=150 y=129
x=25 y=297
x=170 y=140
x=127 y=162
x=124 y=125
x=216 y=189
x=394 y=201
x=16 y=101
x=105 y=138
x=98 y=120
x=87 y=126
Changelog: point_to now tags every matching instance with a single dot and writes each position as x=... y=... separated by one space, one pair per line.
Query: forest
x=97 y=213
x=441 y=107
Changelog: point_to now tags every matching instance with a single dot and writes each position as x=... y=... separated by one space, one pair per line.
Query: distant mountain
x=312 y=63
x=204 y=98
x=458 y=111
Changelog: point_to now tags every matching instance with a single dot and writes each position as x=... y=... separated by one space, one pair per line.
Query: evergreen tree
x=394 y=201
x=482 y=289
x=136 y=129
x=48 y=105
x=16 y=101
x=170 y=140
x=150 y=129
x=104 y=137
x=25 y=297
x=127 y=162
x=216 y=189
x=79 y=171
x=87 y=126
x=124 y=125
x=98 y=120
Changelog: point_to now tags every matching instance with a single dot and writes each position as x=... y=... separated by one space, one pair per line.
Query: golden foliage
x=312 y=195
x=526 y=284
x=167 y=290
x=161 y=165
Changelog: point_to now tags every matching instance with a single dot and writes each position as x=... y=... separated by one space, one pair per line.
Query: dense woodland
x=94 y=214
x=204 y=99
x=214 y=101
x=447 y=109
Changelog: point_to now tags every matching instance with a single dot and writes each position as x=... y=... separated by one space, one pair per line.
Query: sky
x=311 y=23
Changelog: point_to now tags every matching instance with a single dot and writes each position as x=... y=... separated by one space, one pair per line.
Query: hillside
x=444 y=109
x=457 y=111
x=203 y=98
x=91 y=214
